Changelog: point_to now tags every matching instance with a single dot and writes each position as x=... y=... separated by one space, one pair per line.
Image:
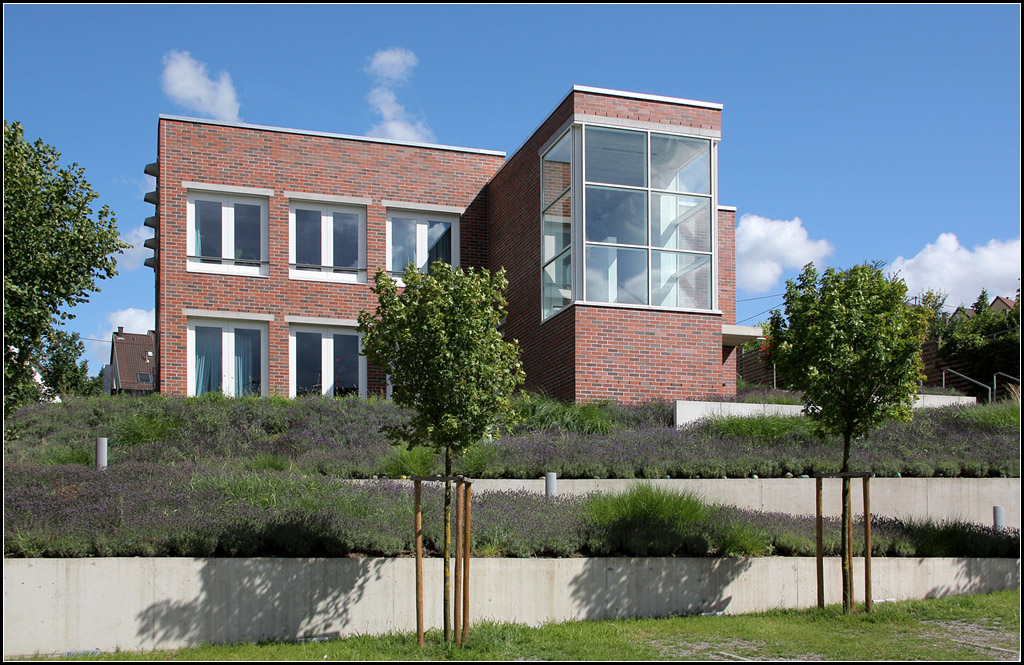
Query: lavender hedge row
x=343 y=438
x=146 y=509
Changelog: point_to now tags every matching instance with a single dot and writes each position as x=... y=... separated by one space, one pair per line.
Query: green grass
x=762 y=429
x=991 y=417
x=542 y=413
x=651 y=521
x=981 y=627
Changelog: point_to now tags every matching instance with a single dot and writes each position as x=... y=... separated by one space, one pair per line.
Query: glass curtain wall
x=648 y=219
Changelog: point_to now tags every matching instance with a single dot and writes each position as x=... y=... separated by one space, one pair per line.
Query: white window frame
x=227 y=200
x=327 y=272
x=327 y=333
x=575 y=152
x=227 y=331
x=579 y=215
x=422 y=219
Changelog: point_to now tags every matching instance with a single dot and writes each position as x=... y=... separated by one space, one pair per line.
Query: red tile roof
x=133 y=354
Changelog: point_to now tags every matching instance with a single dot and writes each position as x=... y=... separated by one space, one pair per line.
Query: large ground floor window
x=325 y=361
x=228 y=357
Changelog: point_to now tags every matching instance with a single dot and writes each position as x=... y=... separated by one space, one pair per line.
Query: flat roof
x=331 y=135
x=651 y=98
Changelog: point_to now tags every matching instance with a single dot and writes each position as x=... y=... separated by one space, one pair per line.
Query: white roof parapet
x=330 y=135
x=652 y=98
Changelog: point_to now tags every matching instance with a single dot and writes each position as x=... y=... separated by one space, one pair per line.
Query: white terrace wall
x=691 y=411
x=53 y=606
x=970 y=499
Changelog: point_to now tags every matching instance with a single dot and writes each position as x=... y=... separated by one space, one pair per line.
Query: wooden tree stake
x=819 y=543
x=418 y=533
x=465 y=562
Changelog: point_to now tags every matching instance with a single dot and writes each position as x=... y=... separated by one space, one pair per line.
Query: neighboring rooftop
x=133 y=361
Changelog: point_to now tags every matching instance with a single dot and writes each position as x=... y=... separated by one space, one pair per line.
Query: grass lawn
x=982 y=627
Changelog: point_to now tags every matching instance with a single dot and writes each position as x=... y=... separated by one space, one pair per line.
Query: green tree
x=63 y=371
x=852 y=345
x=986 y=343
x=439 y=343
x=55 y=250
x=932 y=304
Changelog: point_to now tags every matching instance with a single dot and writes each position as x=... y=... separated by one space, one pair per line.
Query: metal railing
x=997 y=374
x=977 y=383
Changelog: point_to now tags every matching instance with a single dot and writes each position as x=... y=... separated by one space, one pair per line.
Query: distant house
x=133 y=366
x=998 y=304
x=1001 y=304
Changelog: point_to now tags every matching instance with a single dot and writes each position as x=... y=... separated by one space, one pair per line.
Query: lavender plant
x=142 y=509
x=344 y=438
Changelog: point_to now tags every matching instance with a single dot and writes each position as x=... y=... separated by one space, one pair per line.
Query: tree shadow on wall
x=241 y=599
x=655 y=586
x=977 y=576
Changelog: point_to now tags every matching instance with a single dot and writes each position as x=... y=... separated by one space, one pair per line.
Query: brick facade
x=589 y=352
x=584 y=352
x=290 y=162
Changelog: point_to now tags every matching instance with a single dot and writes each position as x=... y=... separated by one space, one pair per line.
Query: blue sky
x=850 y=133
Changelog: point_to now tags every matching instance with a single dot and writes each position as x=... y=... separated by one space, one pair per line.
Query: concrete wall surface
x=60 y=605
x=688 y=412
x=970 y=499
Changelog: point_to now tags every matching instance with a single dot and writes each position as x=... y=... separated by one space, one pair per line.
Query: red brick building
x=621 y=263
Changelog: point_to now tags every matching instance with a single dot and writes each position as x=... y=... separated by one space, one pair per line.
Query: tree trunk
x=846 y=544
x=447 y=543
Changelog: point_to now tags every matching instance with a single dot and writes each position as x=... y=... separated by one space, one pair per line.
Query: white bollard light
x=101 y=453
x=550 y=483
x=999 y=517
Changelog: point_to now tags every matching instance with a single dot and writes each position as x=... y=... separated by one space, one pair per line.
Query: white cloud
x=948 y=266
x=393 y=64
x=391 y=67
x=396 y=123
x=185 y=81
x=132 y=319
x=133 y=257
x=142 y=184
x=765 y=247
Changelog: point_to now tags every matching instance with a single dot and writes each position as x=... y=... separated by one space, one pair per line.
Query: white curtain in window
x=208 y=361
x=248 y=373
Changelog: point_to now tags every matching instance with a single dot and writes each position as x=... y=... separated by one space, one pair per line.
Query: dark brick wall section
x=514 y=200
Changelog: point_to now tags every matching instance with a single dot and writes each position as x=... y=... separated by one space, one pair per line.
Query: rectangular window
x=227 y=233
x=328 y=242
x=421 y=238
x=208 y=354
x=647 y=219
x=556 y=226
x=309 y=377
x=228 y=357
x=326 y=361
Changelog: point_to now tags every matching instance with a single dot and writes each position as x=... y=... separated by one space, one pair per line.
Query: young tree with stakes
x=850 y=342
x=438 y=341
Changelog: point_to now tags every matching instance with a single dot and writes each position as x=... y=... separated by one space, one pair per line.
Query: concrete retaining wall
x=970 y=499
x=688 y=412
x=59 y=605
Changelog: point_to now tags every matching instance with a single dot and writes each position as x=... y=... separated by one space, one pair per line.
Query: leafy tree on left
x=55 y=250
